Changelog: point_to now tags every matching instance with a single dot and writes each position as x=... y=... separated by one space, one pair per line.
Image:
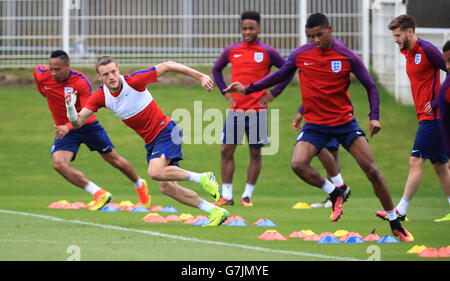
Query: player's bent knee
x=60 y=166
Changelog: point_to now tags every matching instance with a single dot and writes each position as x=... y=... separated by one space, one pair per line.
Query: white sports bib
x=129 y=103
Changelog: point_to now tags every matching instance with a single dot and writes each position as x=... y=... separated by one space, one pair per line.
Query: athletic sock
x=403 y=206
x=392 y=215
x=227 y=191
x=138 y=183
x=328 y=187
x=337 y=180
x=206 y=206
x=195 y=177
x=92 y=188
x=248 y=190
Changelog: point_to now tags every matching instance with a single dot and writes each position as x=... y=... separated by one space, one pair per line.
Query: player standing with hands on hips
x=127 y=97
x=250 y=61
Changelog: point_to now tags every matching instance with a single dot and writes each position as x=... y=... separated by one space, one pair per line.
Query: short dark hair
x=446 y=47
x=103 y=61
x=251 y=15
x=404 y=22
x=60 y=54
x=317 y=19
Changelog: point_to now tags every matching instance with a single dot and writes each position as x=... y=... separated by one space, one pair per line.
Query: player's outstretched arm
x=171 y=66
x=76 y=119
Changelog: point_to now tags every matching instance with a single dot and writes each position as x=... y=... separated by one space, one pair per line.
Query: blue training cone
x=201 y=222
x=387 y=239
x=140 y=209
x=266 y=223
x=169 y=209
x=109 y=209
x=237 y=223
x=330 y=239
x=354 y=240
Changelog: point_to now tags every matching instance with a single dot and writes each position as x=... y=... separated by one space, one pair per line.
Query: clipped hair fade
x=446 y=47
x=317 y=19
x=251 y=15
x=60 y=54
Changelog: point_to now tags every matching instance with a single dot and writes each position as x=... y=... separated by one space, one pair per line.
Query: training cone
x=301 y=205
x=202 y=221
x=140 y=209
x=340 y=233
x=169 y=209
x=429 y=253
x=416 y=249
x=313 y=237
x=126 y=205
x=155 y=208
x=323 y=234
x=350 y=234
x=80 y=204
x=354 y=240
x=233 y=218
x=371 y=237
x=388 y=239
x=330 y=239
x=237 y=223
x=297 y=234
x=272 y=235
x=444 y=252
x=154 y=218
x=173 y=218
x=266 y=222
x=109 y=208
x=185 y=216
x=194 y=219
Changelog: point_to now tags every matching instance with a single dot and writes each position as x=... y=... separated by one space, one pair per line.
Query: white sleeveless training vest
x=129 y=102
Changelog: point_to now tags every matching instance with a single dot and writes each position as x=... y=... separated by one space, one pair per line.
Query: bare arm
x=171 y=66
x=76 y=119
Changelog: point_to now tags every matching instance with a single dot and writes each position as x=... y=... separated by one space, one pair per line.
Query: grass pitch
x=28 y=183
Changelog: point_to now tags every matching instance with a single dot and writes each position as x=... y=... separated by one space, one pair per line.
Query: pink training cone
x=173 y=218
x=314 y=237
x=371 y=237
x=271 y=235
x=444 y=252
x=155 y=208
x=429 y=253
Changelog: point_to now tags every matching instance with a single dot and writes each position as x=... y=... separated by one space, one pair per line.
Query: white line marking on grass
x=183 y=238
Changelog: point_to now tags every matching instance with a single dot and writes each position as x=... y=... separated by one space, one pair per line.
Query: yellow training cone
x=301 y=205
x=416 y=249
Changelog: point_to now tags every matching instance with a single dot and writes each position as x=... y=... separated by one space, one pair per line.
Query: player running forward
x=423 y=61
x=53 y=82
x=250 y=61
x=127 y=97
x=444 y=112
x=324 y=73
x=329 y=157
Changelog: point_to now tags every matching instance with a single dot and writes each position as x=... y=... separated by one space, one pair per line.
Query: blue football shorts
x=168 y=142
x=428 y=143
x=321 y=135
x=252 y=123
x=93 y=135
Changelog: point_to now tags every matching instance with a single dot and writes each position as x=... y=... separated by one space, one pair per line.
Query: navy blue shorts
x=93 y=135
x=168 y=142
x=252 y=123
x=321 y=135
x=428 y=143
x=332 y=145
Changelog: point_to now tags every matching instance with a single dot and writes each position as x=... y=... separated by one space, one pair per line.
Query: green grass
x=28 y=184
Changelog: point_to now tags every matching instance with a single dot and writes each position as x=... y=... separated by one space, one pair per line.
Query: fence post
x=303 y=14
x=66 y=24
x=365 y=32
